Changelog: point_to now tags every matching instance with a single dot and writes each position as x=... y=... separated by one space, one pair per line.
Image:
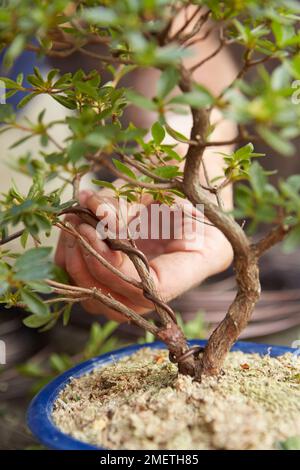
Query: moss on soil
x=141 y=403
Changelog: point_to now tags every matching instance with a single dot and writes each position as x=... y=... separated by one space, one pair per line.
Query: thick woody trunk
x=173 y=337
x=245 y=255
x=237 y=318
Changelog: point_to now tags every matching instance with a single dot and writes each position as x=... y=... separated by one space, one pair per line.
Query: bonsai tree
x=142 y=35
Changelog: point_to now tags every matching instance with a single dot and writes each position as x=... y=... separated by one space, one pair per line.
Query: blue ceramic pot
x=40 y=410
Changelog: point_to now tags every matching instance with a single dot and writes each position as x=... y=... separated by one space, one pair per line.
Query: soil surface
x=140 y=402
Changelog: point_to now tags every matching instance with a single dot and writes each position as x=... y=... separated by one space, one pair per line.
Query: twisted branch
x=169 y=331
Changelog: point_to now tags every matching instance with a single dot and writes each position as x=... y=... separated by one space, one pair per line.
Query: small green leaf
x=124 y=169
x=167 y=81
x=175 y=134
x=30 y=369
x=197 y=98
x=64 y=101
x=170 y=152
x=168 y=171
x=6 y=112
x=39 y=286
x=140 y=100
x=104 y=184
x=244 y=152
x=158 y=133
x=108 y=328
x=275 y=141
x=67 y=314
x=257 y=179
x=36 y=321
x=60 y=362
x=14 y=50
x=21 y=141
x=9 y=83
x=100 y=15
x=34 y=303
x=76 y=150
x=292 y=241
x=26 y=100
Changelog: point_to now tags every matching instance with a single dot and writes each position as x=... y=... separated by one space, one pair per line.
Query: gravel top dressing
x=140 y=402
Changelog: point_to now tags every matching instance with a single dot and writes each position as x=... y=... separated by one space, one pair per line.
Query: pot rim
x=39 y=413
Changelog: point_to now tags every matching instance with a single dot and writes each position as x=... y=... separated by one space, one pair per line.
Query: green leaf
x=175 y=134
x=52 y=74
x=172 y=155
x=98 y=341
x=14 y=50
x=168 y=171
x=195 y=328
x=104 y=184
x=30 y=369
x=258 y=179
x=292 y=241
x=60 y=275
x=87 y=89
x=100 y=15
x=60 y=362
x=64 y=101
x=34 y=303
x=158 y=133
x=6 y=112
x=39 y=286
x=140 y=100
x=280 y=78
x=105 y=135
x=244 y=152
x=167 y=81
x=33 y=265
x=36 y=321
x=9 y=83
x=108 y=328
x=124 y=169
x=67 y=314
x=275 y=141
x=197 y=98
x=26 y=100
x=170 y=54
x=76 y=150
x=21 y=141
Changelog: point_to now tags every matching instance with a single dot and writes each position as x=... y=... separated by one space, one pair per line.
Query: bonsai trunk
x=236 y=319
x=224 y=336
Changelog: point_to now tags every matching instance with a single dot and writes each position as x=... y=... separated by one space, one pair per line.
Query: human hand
x=176 y=264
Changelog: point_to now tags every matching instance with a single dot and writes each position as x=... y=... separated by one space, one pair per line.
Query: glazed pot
x=39 y=413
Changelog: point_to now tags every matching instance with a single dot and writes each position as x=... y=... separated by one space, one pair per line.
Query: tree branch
x=108 y=300
x=14 y=236
x=276 y=235
x=100 y=258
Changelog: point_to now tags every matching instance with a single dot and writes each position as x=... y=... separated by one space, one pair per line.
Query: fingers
x=191 y=266
x=190 y=269
x=118 y=260
x=77 y=269
x=60 y=255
